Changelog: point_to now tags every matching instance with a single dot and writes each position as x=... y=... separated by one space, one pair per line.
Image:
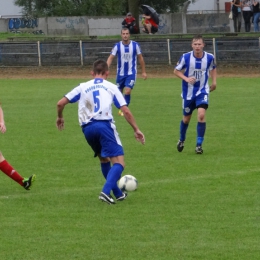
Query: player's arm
x=110 y=59
x=213 y=74
x=60 y=107
x=180 y=75
x=2 y=122
x=139 y=136
x=142 y=63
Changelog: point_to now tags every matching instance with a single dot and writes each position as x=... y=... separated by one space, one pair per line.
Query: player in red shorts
x=6 y=168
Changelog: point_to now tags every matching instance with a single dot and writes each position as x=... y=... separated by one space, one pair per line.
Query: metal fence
x=161 y=51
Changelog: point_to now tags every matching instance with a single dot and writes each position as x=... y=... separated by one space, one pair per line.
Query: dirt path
x=84 y=72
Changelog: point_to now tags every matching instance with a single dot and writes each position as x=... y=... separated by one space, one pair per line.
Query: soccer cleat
x=27 y=182
x=106 y=198
x=199 y=150
x=120 y=113
x=180 y=145
x=123 y=197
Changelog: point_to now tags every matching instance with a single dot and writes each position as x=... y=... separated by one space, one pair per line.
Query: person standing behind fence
x=247 y=13
x=256 y=15
x=237 y=15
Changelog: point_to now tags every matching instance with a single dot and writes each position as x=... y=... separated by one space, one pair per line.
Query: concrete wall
x=106 y=26
x=208 y=23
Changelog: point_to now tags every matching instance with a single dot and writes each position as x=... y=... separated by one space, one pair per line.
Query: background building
x=207 y=6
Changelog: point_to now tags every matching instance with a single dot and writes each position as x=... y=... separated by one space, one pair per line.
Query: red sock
x=6 y=168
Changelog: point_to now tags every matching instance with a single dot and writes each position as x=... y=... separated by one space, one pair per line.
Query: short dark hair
x=125 y=29
x=100 y=67
x=198 y=37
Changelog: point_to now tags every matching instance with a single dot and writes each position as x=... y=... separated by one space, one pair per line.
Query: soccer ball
x=128 y=183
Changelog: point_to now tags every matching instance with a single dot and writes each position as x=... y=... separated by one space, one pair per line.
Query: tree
x=40 y=8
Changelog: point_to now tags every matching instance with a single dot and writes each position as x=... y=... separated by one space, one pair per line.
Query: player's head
x=100 y=68
x=125 y=34
x=198 y=37
x=197 y=44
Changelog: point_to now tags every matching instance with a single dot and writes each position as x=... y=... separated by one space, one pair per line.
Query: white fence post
x=169 y=51
x=39 y=53
x=81 y=53
x=214 y=49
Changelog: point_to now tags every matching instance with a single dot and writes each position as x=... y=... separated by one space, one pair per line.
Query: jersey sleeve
x=212 y=63
x=114 y=50
x=138 y=49
x=74 y=95
x=181 y=63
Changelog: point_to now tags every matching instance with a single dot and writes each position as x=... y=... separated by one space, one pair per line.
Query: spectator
x=237 y=14
x=150 y=26
x=256 y=15
x=247 y=13
x=130 y=23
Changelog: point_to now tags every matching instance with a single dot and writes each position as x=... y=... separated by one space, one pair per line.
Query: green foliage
x=187 y=206
x=72 y=7
x=39 y=8
x=164 y=6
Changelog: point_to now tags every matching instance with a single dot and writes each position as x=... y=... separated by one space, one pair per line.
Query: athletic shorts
x=126 y=81
x=189 y=105
x=103 y=138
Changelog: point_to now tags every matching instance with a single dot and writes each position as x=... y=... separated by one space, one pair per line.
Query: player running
x=194 y=68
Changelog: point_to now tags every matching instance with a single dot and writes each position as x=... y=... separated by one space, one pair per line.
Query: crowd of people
x=249 y=10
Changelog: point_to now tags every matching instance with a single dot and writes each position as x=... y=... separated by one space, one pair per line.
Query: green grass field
x=187 y=206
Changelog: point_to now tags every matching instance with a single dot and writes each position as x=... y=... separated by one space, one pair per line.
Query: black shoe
x=199 y=150
x=123 y=197
x=27 y=182
x=106 y=198
x=180 y=146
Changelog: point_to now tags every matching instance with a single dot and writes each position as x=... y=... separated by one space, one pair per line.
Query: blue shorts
x=103 y=138
x=189 y=105
x=126 y=81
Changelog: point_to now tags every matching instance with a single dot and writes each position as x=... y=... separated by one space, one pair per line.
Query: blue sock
x=183 y=130
x=127 y=99
x=116 y=103
x=105 y=168
x=201 y=128
x=112 y=178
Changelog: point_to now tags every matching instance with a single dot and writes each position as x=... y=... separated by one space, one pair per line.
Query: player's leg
x=105 y=142
x=187 y=107
x=6 y=168
x=105 y=169
x=128 y=87
x=202 y=105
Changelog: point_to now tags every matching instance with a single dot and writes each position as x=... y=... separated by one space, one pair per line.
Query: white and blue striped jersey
x=95 y=98
x=198 y=68
x=126 y=57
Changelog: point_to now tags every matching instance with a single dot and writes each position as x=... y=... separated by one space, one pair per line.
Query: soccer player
x=194 y=68
x=6 y=168
x=127 y=52
x=95 y=99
